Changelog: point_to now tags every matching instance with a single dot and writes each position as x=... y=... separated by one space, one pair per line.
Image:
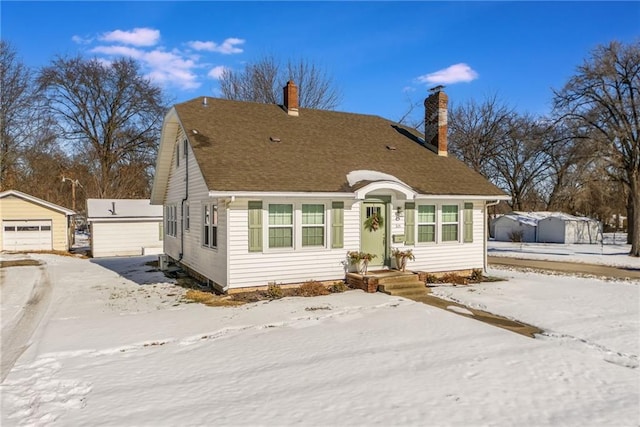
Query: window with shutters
x=450 y=223
x=313 y=225
x=426 y=223
x=280 y=226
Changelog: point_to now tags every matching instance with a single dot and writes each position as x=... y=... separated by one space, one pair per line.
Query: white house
x=258 y=193
x=565 y=228
x=30 y=223
x=121 y=227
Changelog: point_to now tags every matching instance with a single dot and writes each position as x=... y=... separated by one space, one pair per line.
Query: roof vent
x=274 y=139
x=204 y=102
x=391 y=147
x=113 y=208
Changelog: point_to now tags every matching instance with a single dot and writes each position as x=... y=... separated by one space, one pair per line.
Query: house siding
x=16 y=208
x=208 y=262
x=447 y=256
x=287 y=265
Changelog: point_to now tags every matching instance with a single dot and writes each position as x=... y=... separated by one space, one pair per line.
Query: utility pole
x=74 y=182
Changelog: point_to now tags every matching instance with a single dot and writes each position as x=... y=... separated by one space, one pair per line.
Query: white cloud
x=454 y=74
x=216 y=72
x=227 y=47
x=164 y=68
x=81 y=40
x=136 y=37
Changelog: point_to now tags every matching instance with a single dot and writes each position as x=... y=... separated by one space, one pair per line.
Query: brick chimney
x=435 y=120
x=291 y=98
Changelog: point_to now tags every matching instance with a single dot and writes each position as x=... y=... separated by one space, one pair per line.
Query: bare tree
x=604 y=96
x=522 y=161
x=17 y=108
x=263 y=80
x=477 y=131
x=109 y=113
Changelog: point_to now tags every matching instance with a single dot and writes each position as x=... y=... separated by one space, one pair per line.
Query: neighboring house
x=258 y=193
x=122 y=227
x=30 y=223
x=515 y=227
x=565 y=228
x=546 y=227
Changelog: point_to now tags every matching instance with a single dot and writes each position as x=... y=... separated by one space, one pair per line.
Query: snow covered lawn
x=118 y=348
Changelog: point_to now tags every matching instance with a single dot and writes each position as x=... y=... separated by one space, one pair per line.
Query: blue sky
x=378 y=53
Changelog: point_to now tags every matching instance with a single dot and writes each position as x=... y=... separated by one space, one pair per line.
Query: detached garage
x=124 y=227
x=565 y=228
x=32 y=224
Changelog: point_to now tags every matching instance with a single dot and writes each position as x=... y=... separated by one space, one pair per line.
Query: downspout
x=186 y=197
x=486 y=231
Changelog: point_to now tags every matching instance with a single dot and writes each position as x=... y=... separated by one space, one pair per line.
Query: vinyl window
x=313 y=225
x=450 y=223
x=426 y=223
x=280 y=226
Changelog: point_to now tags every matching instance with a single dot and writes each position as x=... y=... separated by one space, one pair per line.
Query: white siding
x=124 y=238
x=450 y=256
x=287 y=266
x=552 y=230
x=206 y=261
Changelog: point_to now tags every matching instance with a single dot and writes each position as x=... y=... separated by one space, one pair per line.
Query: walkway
x=569 y=267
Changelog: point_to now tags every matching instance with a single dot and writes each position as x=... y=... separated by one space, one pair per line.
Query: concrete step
x=397 y=278
x=402 y=285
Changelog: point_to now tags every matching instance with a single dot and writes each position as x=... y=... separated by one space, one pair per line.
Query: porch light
x=398 y=213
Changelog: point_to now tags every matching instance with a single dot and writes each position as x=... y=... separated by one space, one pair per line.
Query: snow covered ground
x=613 y=252
x=117 y=347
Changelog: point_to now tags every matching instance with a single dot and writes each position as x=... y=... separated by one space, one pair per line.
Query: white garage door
x=27 y=235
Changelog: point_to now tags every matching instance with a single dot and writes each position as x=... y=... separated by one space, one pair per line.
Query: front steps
x=402 y=284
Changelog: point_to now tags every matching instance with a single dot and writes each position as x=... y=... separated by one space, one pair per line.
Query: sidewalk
x=569 y=267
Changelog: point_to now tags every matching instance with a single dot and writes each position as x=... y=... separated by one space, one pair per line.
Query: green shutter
x=255 y=226
x=468 y=222
x=410 y=223
x=337 y=224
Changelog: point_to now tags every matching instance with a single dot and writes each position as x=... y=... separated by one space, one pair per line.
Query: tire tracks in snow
x=16 y=336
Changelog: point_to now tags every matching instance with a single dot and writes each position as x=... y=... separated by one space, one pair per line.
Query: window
x=313 y=225
x=171 y=215
x=280 y=226
x=210 y=226
x=449 y=223
x=426 y=223
x=186 y=216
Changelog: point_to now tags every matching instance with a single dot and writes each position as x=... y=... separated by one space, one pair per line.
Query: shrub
x=274 y=291
x=476 y=275
x=312 y=289
x=454 y=278
x=516 y=236
x=338 y=287
x=431 y=278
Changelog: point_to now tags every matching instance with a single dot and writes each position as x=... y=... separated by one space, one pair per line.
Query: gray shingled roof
x=236 y=149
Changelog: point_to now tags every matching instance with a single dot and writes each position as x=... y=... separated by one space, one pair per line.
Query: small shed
x=33 y=224
x=515 y=227
x=124 y=227
x=565 y=228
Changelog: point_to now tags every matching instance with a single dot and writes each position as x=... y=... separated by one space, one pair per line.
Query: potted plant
x=360 y=260
x=402 y=257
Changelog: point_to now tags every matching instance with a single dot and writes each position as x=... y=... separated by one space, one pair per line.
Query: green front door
x=373 y=241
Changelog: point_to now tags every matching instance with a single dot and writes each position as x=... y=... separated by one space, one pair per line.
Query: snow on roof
x=532 y=217
x=357 y=176
x=122 y=208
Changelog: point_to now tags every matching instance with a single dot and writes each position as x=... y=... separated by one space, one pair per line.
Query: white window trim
x=297 y=225
x=213 y=207
x=434 y=223
x=171 y=228
x=439 y=222
x=323 y=225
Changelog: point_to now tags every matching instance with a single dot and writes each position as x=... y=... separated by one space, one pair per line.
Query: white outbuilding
x=124 y=227
x=515 y=227
x=564 y=228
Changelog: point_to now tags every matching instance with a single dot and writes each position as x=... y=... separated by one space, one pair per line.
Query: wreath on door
x=374 y=222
